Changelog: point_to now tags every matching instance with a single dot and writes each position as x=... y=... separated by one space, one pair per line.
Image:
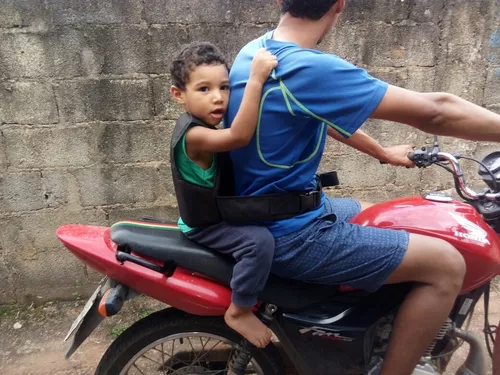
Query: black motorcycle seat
x=165 y=242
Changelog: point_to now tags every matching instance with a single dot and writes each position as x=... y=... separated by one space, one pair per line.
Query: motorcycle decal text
x=469 y=230
x=316 y=331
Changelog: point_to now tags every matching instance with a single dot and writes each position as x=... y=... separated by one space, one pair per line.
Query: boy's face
x=207 y=93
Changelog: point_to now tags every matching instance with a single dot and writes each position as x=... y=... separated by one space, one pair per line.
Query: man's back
x=308 y=92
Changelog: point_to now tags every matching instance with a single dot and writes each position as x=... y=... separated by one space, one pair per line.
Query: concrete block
x=168 y=212
x=21 y=191
x=29 y=191
x=165 y=106
x=27 y=103
x=3 y=154
x=108 y=100
x=421 y=79
x=346 y=41
x=256 y=11
x=189 y=11
x=25 y=56
x=61 y=147
x=400 y=46
x=230 y=39
x=22 y=13
x=427 y=10
x=109 y=185
x=465 y=81
x=64 y=12
x=166 y=42
x=133 y=143
x=30 y=236
x=361 y=170
x=51 y=276
x=381 y=10
x=7 y=290
x=492 y=89
x=467 y=22
x=130 y=55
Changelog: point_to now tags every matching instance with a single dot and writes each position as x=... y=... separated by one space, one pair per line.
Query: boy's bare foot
x=243 y=321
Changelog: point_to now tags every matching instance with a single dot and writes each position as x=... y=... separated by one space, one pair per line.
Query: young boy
x=200 y=78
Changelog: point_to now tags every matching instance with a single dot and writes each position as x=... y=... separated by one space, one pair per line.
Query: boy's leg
x=252 y=247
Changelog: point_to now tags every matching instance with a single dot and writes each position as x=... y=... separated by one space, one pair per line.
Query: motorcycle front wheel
x=170 y=342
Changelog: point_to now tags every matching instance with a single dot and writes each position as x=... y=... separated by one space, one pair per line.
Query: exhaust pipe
x=475 y=364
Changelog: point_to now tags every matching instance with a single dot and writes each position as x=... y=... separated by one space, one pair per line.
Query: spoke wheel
x=170 y=342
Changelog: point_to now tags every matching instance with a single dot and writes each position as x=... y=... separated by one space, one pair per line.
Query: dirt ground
x=31 y=339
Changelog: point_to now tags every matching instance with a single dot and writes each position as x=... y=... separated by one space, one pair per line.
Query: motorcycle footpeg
x=112 y=301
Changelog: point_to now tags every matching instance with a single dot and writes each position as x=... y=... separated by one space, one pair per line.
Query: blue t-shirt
x=307 y=92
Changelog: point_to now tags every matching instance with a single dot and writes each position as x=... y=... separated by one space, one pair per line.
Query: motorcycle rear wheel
x=170 y=342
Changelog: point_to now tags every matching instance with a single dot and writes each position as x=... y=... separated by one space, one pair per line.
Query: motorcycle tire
x=170 y=322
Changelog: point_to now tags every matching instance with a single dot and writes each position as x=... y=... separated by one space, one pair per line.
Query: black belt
x=274 y=206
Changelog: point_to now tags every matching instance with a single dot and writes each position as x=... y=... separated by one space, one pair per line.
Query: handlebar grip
x=411 y=156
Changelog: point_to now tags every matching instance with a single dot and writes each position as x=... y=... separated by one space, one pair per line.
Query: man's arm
x=439 y=114
x=361 y=141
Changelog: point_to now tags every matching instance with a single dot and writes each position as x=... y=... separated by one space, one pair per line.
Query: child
x=201 y=84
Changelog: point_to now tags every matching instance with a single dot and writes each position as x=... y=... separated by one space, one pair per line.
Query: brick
x=380 y=10
x=165 y=106
x=22 y=13
x=427 y=10
x=73 y=12
x=27 y=103
x=28 y=191
x=109 y=185
x=61 y=147
x=189 y=11
x=132 y=143
x=401 y=46
x=107 y=100
x=166 y=42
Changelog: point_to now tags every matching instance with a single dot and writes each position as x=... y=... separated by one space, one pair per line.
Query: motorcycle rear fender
x=183 y=290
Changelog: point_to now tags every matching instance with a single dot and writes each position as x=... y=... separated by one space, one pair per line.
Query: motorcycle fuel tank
x=453 y=221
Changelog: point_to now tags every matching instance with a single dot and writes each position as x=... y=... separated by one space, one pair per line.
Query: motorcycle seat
x=165 y=242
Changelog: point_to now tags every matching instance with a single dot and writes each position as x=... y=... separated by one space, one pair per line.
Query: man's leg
x=439 y=269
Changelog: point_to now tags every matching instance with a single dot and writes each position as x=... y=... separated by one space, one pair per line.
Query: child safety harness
x=202 y=206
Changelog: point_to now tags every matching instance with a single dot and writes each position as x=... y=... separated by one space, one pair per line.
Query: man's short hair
x=192 y=56
x=310 y=9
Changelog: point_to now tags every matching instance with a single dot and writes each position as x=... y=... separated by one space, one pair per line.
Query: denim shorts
x=331 y=250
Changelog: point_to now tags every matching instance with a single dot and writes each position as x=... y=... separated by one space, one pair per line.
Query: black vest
x=201 y=206
x=197 y=204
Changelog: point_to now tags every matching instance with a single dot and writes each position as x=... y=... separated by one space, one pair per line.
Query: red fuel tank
x=456 y=222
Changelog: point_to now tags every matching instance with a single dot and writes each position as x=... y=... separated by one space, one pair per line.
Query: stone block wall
x=85 y=114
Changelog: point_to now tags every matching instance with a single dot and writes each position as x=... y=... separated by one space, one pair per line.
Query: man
x=312 y=94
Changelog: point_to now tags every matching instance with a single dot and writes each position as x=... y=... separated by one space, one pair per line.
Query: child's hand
x=263 y=63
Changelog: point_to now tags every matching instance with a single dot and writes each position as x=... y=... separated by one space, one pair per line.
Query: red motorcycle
x=318 y=329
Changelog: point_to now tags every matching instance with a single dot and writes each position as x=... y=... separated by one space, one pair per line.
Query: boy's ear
x=177 y=94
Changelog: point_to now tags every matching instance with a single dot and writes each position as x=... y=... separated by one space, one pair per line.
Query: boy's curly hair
x=309 y=9
x=190 y=57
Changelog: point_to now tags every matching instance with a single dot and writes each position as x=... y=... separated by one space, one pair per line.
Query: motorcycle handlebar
x=425 y=157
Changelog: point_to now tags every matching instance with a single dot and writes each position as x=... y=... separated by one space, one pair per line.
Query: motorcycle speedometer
x=492 y=161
